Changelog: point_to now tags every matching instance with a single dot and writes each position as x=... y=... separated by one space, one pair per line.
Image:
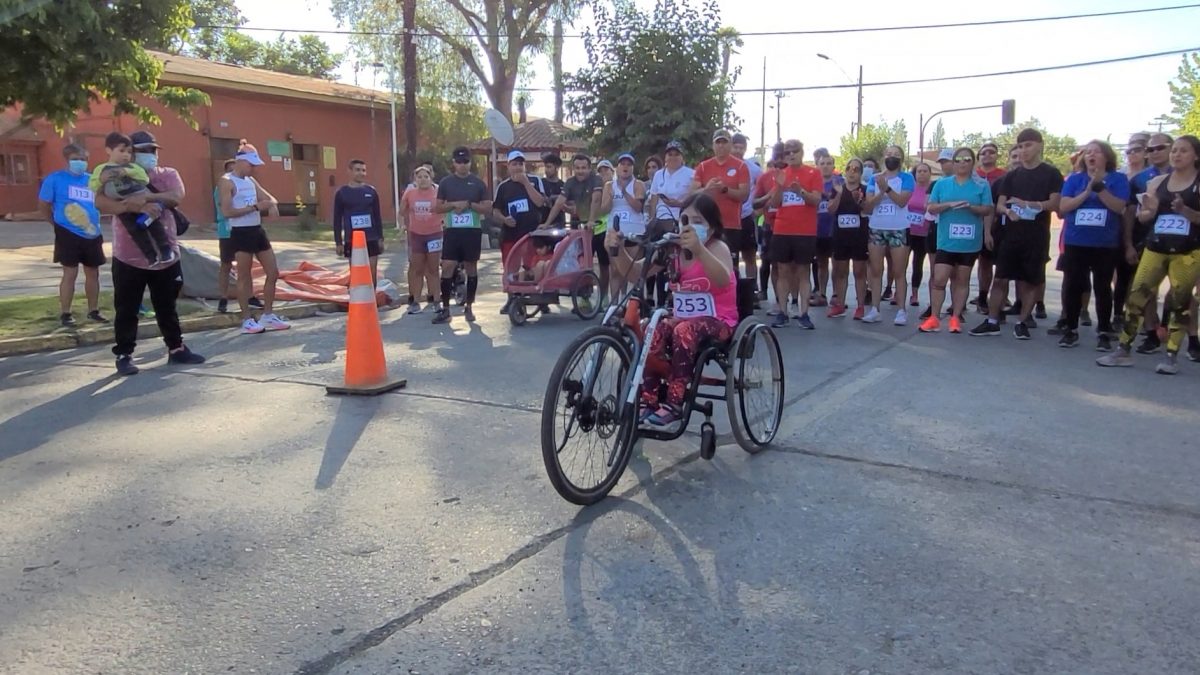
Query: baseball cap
x=249 y=153
x=674 y=145
x=604 y=163
x=625 y=156
x=143 y=139
x=946 y=155
x=461 y=154
x=516 y=154
x=741 y=138
x=722 y=133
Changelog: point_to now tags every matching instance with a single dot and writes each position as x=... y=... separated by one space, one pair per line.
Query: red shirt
x=764 y=186
x=733 y=174
x=797 y=217
x=991 y=176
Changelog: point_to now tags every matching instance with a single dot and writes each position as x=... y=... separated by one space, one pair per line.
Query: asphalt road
x=935 y=503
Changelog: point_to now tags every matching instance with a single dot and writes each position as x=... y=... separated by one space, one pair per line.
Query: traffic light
x=1008 y=111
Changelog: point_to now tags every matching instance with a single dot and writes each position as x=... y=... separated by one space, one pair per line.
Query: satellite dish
x=499 y=126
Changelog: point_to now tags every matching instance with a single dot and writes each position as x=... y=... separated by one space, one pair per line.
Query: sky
x=1107 y=101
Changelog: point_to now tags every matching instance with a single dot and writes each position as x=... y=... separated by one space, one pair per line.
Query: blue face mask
x=146 y=160
x=77 y=166
x=701 y=230
x=868 y=172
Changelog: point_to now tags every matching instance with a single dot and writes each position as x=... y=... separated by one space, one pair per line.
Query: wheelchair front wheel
x=754 y=386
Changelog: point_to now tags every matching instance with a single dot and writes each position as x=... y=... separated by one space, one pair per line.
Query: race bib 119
x=1172 y=224
x=692 y=305
x=1091 y=217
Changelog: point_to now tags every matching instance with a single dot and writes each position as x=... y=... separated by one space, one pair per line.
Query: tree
x=873 y=140
x=1183 y=89
x=938 y=140
x=96 y=53
x=308 y=55
x=1057 y=149
x=644 y=85
x=1190 y=124
x=204 y=39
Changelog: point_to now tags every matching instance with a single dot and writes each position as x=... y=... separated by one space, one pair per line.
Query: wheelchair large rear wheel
x=588 y=430
x=754 y=385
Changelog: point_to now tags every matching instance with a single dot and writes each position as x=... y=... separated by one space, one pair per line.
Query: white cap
x=604 y=163
x=946 y=155
x=516 y=154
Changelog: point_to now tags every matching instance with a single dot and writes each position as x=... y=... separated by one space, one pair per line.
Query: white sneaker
x=872 y=316
x=431 y=307
x=251 y=327
x=901 y=318
x=414 y=308
x=273 y=322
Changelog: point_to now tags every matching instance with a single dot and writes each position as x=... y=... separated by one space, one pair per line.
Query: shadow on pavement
x=353 y=415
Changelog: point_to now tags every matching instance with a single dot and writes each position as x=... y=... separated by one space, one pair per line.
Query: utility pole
x=778 y=105
x=858 y=129
x=762 y=130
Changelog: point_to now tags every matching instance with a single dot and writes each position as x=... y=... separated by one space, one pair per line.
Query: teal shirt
x=959 y=230
x=222 y=221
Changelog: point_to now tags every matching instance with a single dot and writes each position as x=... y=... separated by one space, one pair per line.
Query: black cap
x=741 y=138
x=675 y=145
x=461 y=154
x=552 y=158
x=143 y=139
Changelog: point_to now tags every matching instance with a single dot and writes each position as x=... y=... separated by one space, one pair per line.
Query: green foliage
x=1190 y=124
x=1184 y=91
x=59 y=57
x=873 y=140
x=645 y=85
x=938 y=140
x=1057 y=149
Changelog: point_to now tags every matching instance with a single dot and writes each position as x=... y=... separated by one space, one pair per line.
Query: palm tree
x=730 y=41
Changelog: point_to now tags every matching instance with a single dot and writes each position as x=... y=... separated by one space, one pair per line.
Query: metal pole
x=778 y=106
x=762 y=131
x=859 y=127
x=395 y=152
x=921 y=138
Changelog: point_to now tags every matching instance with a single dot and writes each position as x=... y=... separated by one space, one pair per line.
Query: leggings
x=1181 y=270
x=1088 y=269
x=1122 y=281
x=917 y=243
x=677 y=341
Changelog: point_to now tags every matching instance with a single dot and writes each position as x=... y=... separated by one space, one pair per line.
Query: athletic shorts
x=795 y=249
x=989 y=256
x=931 y=239
x=424 y=243
x=249 y=239
x=891 y=238
x=850 y=248
x=824 y=247
x=462 y=245
x=225 y=246
x=1022 y=254
x=749 y=239
x=599 y=250
x=72 y=250
x=373 y=249
x=955 y=259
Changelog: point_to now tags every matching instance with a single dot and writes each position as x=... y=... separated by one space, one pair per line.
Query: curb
x=149 y=329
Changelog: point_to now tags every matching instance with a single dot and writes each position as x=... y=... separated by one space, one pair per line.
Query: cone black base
x=382 y=388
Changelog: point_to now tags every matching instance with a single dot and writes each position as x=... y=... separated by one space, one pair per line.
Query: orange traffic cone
x=366 y=370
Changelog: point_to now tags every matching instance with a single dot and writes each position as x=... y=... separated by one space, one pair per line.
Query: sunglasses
x=1157 y=148
x=1135 y=149
x=963 y=160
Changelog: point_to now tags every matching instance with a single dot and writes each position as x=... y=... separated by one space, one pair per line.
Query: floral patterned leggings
x=677 y=341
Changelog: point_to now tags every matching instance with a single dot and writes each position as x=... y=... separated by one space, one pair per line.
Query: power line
x=826 y=31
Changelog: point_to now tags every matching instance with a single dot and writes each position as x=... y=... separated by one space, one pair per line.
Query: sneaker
x=821 y=301
x=223 y=306
x=913 y=301
x=167 y=257
x=251 y=327
x=1030 y=323
x=66 y=320
x=255 y=303
x=145 y=313
x=1085 y=319
x=663 y=418
x=1193 y=352
x=442 y=315
x=982 y=307
x=1150 y=344
x=780 y=321
x=930 y=325
x=901 y=318
x=858 y=313
x=431 y=306
x=1069 y=339
x=273 y=322
x=1118 y=324
x=986 y=329
x=1117 y=359
x=887 y=293
x=836 y=311
x=125 y=365
x=1021 y=331
x=872 y=316
x=805 y=322
x=96 y=316
x=927 y=313
x=1104 y=343
x=955 y=324
x=774 y=311
x=414 y=308
x=1059 y=328
x=468 y=314
x=1013 y=309
x=1039 y=311
x=184 y=356
x=1168 y=366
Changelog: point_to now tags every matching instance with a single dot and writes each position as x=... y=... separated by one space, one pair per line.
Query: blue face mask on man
x=77 y=166
x=146 y=160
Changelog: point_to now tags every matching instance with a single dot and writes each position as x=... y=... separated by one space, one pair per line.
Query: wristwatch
x=888 y=191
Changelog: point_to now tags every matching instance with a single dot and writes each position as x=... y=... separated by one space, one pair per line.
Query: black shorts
x=462 y=244
x=72 y=250
x=599 y=250
x=1022 y=255
x=373 y=249
x=955 y=259
x=749 y=236
x=249 y=239
x=795 y=249
x=931 y=238
x=225 y=246
x=824 y=247
x=989 y=256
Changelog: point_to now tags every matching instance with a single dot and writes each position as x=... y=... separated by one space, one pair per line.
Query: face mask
x=77 y=166
x=892 y=163
x=146 y=160
x=701 y=230
x=868 y=172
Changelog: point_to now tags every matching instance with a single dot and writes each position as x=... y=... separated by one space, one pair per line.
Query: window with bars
x=14 y=169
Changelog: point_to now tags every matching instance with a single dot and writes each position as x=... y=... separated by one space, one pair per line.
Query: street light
x=858 y=124
x=778 y=99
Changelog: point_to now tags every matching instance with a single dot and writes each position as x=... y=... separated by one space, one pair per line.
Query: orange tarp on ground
x=312 y=283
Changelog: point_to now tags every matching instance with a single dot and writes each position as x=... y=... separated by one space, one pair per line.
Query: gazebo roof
x=539 y=135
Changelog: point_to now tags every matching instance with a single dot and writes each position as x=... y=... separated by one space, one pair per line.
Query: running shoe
x=125 y=365
x=901 y=318
x=872 y=316
x=836 y=311
x=145 y=313
x=664 y=418
x=1150 y=344
x=431 y=306
x=1059 y=328
x=805 y=322
x=1039 y=311
x=66 y=320
x=858 y=312
x=930 y=325
x=1021 y=331
x=96 y=316
x=414 y=308
x=255 y=303
x=981 y=306
x=1069 y=339
x=184 y=356
x=1193 y=352
x=1168 y=366
x=442 y=316
x=468 y=314
x=222 y=306
x=1117 y=359
x=913 y=301
x=955 y=324
x=272 y=322
x=1085 y=319
x=986 y=329
x=927 y=313
x=251 y=327
x=1104 y=343
x=780 y=321
x=1030 y=323
x=821 y=301
x=1013 y=309
x=887 y=292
